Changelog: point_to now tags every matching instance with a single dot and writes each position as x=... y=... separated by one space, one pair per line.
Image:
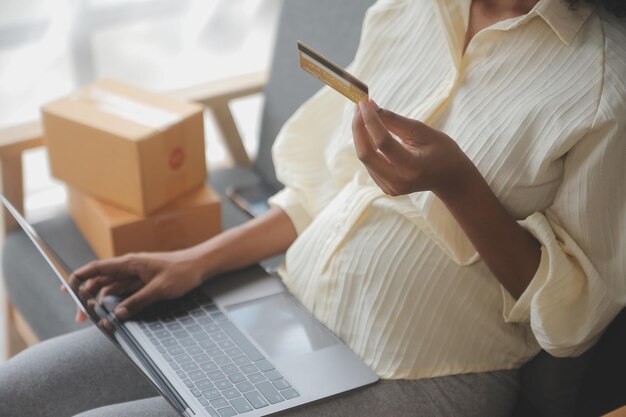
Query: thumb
x=133 y=304
x=403 y=127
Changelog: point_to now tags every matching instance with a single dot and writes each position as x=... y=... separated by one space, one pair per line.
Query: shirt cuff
x=518 y=311
x=287 y=200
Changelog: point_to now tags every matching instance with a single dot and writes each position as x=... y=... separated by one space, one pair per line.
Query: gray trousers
x=83 y=374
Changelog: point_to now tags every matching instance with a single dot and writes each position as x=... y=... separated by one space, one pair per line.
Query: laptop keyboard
x=218 y=364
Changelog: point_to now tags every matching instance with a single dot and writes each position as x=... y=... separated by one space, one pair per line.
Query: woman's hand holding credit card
x=402 y=155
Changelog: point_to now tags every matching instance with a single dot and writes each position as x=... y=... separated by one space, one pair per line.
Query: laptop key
x=155 y=326
x=180 y=334
x=227 y=412
x=223 y=384
x=168 y=358
x=241 y=360
x=207 y=344
x=203 y=401
x=245 y=387
x=211 y=328
x=161 y=349
x=176 y=350
x=273 y=375
x=237 y=377
x=233 y=352
x=174 y=326
x=198 y=313
x=218 y=316
x=241 y=405
x=248 y=369
x=195 y=350
x=218 y=336
x=169 y=342
x=222 y=360
x=269 y=392
x=182 y=358
x=256 y=399
x=181 y=374
x=264 y=365
x=201 y=358
x=290 y=393
x=212 y=411
x=241 y=341
x=229 y=369
x=219 y=403
x=209 y=367
x=281 y=384
x=256 y=378
x=204 y=320
x=189 y=383
x=226 y=344
x=175 y=366
x=216 y=375
x=194 y=328
x=196 y=375
x=199 y=336
x=187 y=321
x=187 y=342
x=196 y=392
x=230 y=393
x=211 y=393
x=189 y=366
x=203 y=384
x=161 y=334
x=213 y=352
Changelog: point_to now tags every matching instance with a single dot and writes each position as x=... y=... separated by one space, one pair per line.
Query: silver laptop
x=240 y=344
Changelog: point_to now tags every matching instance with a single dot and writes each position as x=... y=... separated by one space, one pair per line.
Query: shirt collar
x=565 y=22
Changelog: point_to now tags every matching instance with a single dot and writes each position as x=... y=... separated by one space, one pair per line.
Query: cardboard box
x=126 y=146
x=112 y=231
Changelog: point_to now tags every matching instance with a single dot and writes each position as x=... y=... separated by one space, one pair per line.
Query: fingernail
x=375 y=105
x=356 y=109
x=362 y=106
x=121 y=313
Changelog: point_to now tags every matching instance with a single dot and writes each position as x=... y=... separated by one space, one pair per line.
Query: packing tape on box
x=129 y=109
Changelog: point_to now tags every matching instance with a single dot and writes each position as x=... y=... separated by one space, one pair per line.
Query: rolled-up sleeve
x=580 y=284
x=287 y=199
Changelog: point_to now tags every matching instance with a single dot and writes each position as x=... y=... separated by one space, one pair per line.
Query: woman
x=491 y=228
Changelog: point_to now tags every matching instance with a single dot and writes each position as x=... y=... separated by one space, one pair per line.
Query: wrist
x=462 y=186
x=203 y=259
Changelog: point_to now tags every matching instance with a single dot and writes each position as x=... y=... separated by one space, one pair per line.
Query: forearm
x=510 y=251
x=249 y=243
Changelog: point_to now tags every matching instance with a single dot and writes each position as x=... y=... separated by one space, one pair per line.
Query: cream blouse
x=538 y=103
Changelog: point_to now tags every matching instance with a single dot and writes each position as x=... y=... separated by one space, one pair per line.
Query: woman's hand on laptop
x=149 y=277
x=144 y=278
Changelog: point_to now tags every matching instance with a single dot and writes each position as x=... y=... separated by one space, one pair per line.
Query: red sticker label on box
x=177 y=158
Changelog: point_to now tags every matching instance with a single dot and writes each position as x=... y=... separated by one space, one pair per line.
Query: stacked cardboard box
x=134 y=162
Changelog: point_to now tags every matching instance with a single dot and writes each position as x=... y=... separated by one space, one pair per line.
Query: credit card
x=329 y=73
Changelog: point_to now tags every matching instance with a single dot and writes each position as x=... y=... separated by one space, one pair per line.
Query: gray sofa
x=551 y=385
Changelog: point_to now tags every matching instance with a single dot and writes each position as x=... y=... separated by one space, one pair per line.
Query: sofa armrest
x=216 y=95
x=13 y=142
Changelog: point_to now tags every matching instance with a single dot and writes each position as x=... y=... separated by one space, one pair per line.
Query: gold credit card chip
x=331 y=74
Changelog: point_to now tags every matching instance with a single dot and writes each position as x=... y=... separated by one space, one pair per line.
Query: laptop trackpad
x=281 y=326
